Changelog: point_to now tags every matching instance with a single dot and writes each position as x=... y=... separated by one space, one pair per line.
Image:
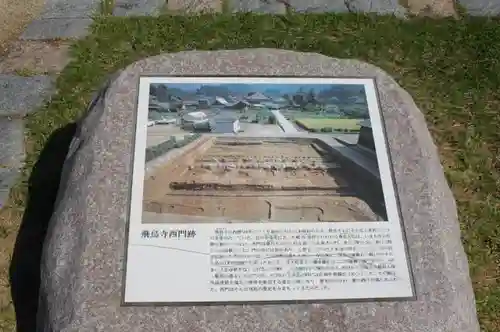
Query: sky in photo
x=282 y=88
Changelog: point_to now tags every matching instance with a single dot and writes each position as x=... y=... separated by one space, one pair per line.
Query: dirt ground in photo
x=259 y=187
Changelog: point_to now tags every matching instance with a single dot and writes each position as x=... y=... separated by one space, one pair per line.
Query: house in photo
x=157 y=106
x=160 y=92
x=225 y=124
x=279 y=100
x=241 y=105
x=331 y=109
x=257 y=98
x=271 y=105
x=192 y=117
x=231 y=99
x=204 y=103
x=190 y=103
x=357 y=100
x=187 y=120
x=300 y=98
x=220 y=101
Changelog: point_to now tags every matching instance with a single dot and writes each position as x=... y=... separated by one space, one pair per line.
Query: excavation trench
x=274 y=180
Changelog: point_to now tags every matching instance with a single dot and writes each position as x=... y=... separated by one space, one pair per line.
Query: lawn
x=450 y=68
x=333 y=123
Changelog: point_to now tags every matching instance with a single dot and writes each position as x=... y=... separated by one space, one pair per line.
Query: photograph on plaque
x=262 y=189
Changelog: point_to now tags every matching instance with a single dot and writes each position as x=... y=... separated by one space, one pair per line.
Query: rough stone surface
x=434 y=8
x=319 y=6
x=62 y=20
x=383 y=7
x=57 y=28
x=20 y=95
x=11 y=154
x=258 y=6
x=35 y=57
x=138 y=7
x=11 y=142
x=84 y=252
x=70 y=9
x=481 y=7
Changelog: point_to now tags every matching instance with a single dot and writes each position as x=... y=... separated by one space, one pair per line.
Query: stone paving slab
x=383 y=7
x=138 y=7
x=11 y=154
x=70 y=9
x=40 y=57
x=22 y=95
x=8 y=177
x=55 y=28
x=11 y=143
x=194 y=6
x=319 y=6
x=258 y=6
x=481 y=7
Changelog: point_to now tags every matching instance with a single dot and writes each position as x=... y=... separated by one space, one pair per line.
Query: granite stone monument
x=84 y=253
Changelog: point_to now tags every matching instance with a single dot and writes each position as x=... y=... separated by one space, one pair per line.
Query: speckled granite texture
x=82 y=266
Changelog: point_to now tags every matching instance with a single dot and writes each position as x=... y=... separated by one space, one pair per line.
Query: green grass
x=450 y=68
x=319 y=123
x=107 y=7
x=27 y=72
x=226 y=7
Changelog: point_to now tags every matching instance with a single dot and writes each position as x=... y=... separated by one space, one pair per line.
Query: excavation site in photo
x=248 y=180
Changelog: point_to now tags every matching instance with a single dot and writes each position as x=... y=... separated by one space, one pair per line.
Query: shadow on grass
x=42 y=192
